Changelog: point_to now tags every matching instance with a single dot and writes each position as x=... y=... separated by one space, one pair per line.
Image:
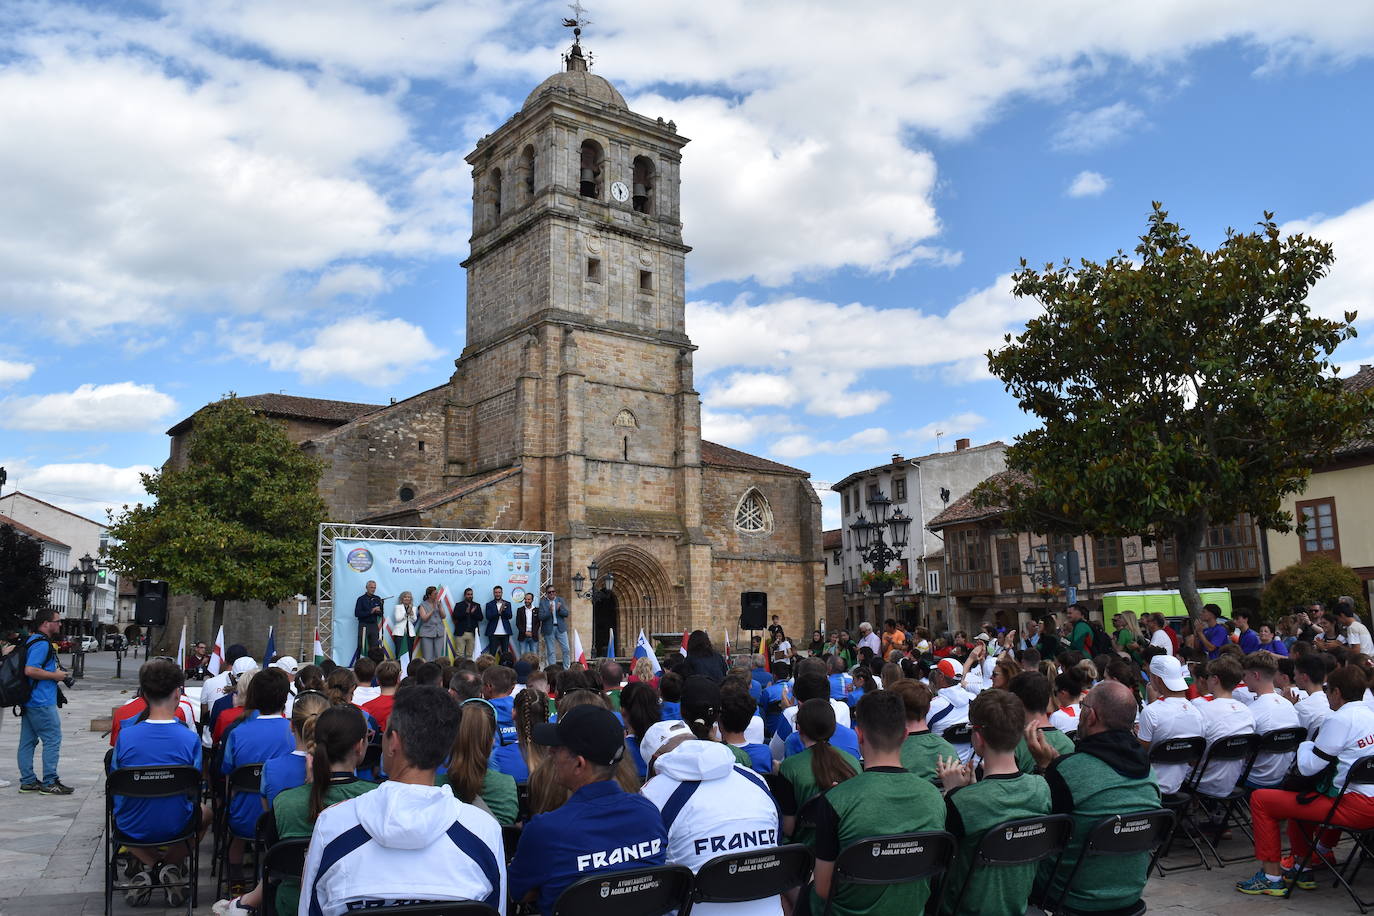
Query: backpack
x=15 y=686
x=1101 y=642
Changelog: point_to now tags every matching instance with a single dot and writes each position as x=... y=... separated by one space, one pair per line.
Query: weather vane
x=578 y=20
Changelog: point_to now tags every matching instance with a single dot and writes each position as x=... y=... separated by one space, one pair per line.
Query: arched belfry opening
x=589 y=174
x=644 y=185
x=643 y=599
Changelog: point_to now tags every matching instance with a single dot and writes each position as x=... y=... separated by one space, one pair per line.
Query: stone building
x=572 y=407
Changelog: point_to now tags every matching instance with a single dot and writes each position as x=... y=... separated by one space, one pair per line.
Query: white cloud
x=1347 y=288
x=14 y=372
x=1089 y=130
x=1088 y=184
x=119 y=406
x=802 y=445
x=85 y=488
x=737 y=429
x=371 y=350
x=952 y=427
x=352 y=280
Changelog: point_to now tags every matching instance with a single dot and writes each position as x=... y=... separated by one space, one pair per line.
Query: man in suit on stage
x=498 y=630
x=553 y=623
x=368 y=610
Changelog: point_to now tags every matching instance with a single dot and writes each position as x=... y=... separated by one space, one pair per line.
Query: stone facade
x=572 y=408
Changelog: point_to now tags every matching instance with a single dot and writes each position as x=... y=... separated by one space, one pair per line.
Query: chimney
x=897 y=459
x=960 y=444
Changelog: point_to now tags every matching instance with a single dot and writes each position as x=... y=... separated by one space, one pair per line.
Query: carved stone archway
x=644 y=598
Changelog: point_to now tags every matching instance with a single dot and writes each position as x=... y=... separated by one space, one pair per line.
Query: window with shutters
x=1107 y=565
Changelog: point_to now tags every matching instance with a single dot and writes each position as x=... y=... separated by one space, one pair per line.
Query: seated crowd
x=404 y=780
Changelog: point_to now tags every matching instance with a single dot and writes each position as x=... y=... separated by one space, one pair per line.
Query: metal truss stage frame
x=330 y=531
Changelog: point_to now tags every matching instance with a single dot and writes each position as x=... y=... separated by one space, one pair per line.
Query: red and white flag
x=217 y=654
x=683 y=648
x=578 y=654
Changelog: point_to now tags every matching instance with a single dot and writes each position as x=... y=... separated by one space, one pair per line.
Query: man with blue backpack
x=34 y=689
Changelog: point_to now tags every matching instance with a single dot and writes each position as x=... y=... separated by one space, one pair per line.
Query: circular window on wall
x=406 y=494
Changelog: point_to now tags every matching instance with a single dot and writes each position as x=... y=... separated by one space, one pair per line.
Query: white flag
x=577 y=649
x=217 y=654
x=645 y=649
x=181 y=648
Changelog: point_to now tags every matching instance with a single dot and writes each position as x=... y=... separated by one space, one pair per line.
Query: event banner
x=413 y=566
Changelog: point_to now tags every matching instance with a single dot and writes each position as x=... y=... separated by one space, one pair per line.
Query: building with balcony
x=921 y=488
x=987 y=579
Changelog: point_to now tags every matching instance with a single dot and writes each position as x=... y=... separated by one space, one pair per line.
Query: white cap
x=1169 y=670
x=287 y=664
x=243 y=665
x=983 y=637
x=659 y=734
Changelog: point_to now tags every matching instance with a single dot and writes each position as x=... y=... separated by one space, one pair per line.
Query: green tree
x=1176 y=389
x=237 y=522
x=24 y=580
x=1318 y=579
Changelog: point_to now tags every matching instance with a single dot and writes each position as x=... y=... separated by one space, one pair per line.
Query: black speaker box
x=753 y=610
x=150 y=604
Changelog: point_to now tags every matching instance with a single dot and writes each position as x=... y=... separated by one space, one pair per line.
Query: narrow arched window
x=753 y=515
x=527 y=171
x=495 y=195
x=644 y=185
x=590 y=170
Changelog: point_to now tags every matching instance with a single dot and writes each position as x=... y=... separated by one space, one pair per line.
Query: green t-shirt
x=920 y=751
x=970 y=811
x=880 y=800
x=799 y=787
x=1081 y=638
x=1087 y=788
x=291 y=809
x=1053 y=737
x=498 y=794
x=741 y=756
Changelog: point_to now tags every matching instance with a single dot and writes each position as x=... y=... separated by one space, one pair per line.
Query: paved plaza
x=51 y=850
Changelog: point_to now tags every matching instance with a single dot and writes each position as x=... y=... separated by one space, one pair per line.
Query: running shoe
x=170 y=876
x=1289 y=862
x=30 y=786
x=56 y=788
x=1259 y=883
x=140 y=888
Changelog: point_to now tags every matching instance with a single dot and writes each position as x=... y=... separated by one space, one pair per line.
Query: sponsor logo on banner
x=360 y=559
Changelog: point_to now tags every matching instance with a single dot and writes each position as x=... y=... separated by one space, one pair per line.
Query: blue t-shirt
x=844 y=738
x=641 y=766
x=1217 y=636
x=670 y=711
x=761 y=676
x=855 y=696
x=760 y=757
x=506 y=758
x=282 y=773
x=41 y=655
x=840 y=685
x=154 y=744
x=256 y=740
x=600 y=829
x=505 y=719
x=1249 y=642
x=773 y=696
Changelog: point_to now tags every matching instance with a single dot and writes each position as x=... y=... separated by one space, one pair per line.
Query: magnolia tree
x=1176 y=388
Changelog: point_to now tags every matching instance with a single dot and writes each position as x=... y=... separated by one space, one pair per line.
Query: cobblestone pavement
x=52 y=850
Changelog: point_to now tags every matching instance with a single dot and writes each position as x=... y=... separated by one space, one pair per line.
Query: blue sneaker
x=1304 y=880
x=1259 y=883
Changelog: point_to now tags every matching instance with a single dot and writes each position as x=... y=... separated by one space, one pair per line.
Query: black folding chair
x=741 y=876
x=372 y=762
x=1223 y=810
x=1278 y=741
x=438 y=908
x=1072 y=735
x=898 y=858
x=243 y=779
x=959 y=734
x=1020 y=842
x=1141 y=833
x=283 y=859
x=651 y=891
x=149 y=783
x=1186 y=751
x=1361 y=773
x=510 y=839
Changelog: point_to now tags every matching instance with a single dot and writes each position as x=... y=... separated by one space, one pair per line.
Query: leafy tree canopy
x=1318 y=579
x=24 y=580
x=1177 y=388
x=238 y=521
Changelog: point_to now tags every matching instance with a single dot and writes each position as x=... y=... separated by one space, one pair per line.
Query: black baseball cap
x=588 y=731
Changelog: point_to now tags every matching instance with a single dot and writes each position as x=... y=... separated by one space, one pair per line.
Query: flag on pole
x=445 y=603
x=644 y=650
x=577 y=649
x=610 y=644
x=727 y=646
x=271 y=646
x=181 y=648
x=683 y=647
x=318 y=649
x=217 y=654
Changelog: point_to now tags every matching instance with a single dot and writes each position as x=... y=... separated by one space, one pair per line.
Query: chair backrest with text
x=753 y=875
x=629 y=892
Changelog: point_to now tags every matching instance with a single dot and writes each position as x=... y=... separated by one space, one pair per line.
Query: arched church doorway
x=605 y=617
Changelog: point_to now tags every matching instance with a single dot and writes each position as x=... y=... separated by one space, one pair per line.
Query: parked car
x=116 y=641
x=65 y=645
x=90 y=644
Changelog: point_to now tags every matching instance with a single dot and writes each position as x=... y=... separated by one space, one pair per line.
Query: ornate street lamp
x=591 y=580
x=81 y=580
x=1040 y=570
x=871 y=537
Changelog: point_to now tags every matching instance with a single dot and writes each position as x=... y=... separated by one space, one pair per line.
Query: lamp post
x=1039 y=569
x=81 y=580
x=869 y=535
x=592 y=593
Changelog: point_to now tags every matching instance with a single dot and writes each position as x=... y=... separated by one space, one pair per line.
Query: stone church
x=572 y=408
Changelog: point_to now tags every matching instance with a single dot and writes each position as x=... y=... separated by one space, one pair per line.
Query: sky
x=252 y=196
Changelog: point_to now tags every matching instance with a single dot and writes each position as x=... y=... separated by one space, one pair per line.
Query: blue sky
x=248 y=196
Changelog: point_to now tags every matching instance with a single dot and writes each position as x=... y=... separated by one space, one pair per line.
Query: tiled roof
x=1360 y=381
x=832 y=539
x=295 y=408
x=964 y=509
x=31 y=532
x=724 y=456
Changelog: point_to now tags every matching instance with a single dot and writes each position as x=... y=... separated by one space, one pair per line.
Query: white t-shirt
x=1066 y=718
x=1222 y=718
x=1161 y=639
x=366 y=694
x=1165 y=718
x=1357 y=636
x=1312 y=711
x=1271 y=712
x=1347 y=734
x=1243 y=694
